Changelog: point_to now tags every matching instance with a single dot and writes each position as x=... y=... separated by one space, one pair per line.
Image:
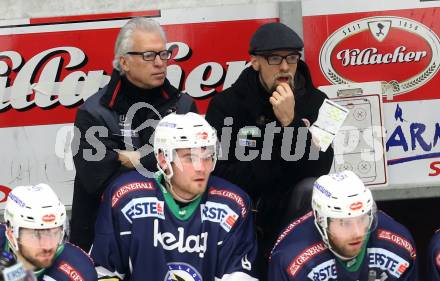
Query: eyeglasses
x=277 y=59
x=151 y=55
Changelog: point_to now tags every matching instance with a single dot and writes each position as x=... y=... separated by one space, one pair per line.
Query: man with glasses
x=344 y=238
x=262 y=123
x=35 y=231
x=182 y=223
x=114 y=126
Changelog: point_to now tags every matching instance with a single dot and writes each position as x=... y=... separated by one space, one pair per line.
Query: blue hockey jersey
x=434 y=258
x=141 y=233
x=300 y=254
x=70 y=264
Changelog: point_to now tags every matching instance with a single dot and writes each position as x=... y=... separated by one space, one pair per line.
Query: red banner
x=47 y=69
x=401 y=47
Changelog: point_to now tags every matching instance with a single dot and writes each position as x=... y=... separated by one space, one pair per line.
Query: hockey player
x=343 y=238
x=434 y=258
x=34 y=232
x=181 y=225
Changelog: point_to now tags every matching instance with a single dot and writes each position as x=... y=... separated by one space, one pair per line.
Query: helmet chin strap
x=169 y=186
x=176 y=196
x=13 y=245
x=326 y=241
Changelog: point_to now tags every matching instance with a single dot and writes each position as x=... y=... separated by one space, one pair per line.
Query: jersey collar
x=183 y=213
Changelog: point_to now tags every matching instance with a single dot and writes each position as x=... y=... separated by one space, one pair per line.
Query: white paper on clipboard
x=330 y=119
x=359 y=145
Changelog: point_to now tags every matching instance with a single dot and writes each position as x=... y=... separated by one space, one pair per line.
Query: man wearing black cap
x=270 y=152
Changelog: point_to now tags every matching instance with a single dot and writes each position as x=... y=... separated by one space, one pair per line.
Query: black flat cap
x=274 y=36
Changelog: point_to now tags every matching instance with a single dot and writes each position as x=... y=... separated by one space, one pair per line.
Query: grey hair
x=124 y=41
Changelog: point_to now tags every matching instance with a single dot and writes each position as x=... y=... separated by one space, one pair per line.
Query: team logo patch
x=249 y=130
x=387 y=261
x=247 y=142
x=133 y=186
x=35 y=188
x=218 y=213
x=338 y=176
x=299 y=261
x=356 y=206
x=179 y=271
x=70 y=271
x=129 y=133
x=398 y=240
x=202 y=135
x=48 y=218
x=143 y=207
x=324 y=271
x=232 y=196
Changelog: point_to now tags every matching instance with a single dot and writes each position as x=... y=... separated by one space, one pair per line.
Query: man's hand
x=129 y=159
x=283 y=104
x=315 y=140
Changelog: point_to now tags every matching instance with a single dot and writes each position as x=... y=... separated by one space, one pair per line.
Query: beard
x=35 y=261
x=287 y=75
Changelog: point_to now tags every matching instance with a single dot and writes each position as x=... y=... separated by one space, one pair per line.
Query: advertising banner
x=49 y=66
x=396 y=43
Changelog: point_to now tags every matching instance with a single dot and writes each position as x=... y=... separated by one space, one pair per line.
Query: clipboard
x=359 y=145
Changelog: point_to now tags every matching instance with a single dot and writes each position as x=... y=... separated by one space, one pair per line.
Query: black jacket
x=108 y=109
x=247 y=102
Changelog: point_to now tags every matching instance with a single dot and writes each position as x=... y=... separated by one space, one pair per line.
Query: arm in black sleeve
x=302 y=158
x=251 y=175
x=314 y=163
x=317 y=166
x=323 y=164
x=95 y=161
x=149 y=161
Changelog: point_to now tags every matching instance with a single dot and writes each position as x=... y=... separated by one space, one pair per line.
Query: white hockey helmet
x=34 y=207
x=188 y=130
x=341 y=195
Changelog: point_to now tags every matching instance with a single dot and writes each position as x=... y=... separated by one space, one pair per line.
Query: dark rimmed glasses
x=151 y=55
x=273 y=59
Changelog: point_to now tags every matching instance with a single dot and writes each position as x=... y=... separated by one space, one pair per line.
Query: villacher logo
x=400 y=51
